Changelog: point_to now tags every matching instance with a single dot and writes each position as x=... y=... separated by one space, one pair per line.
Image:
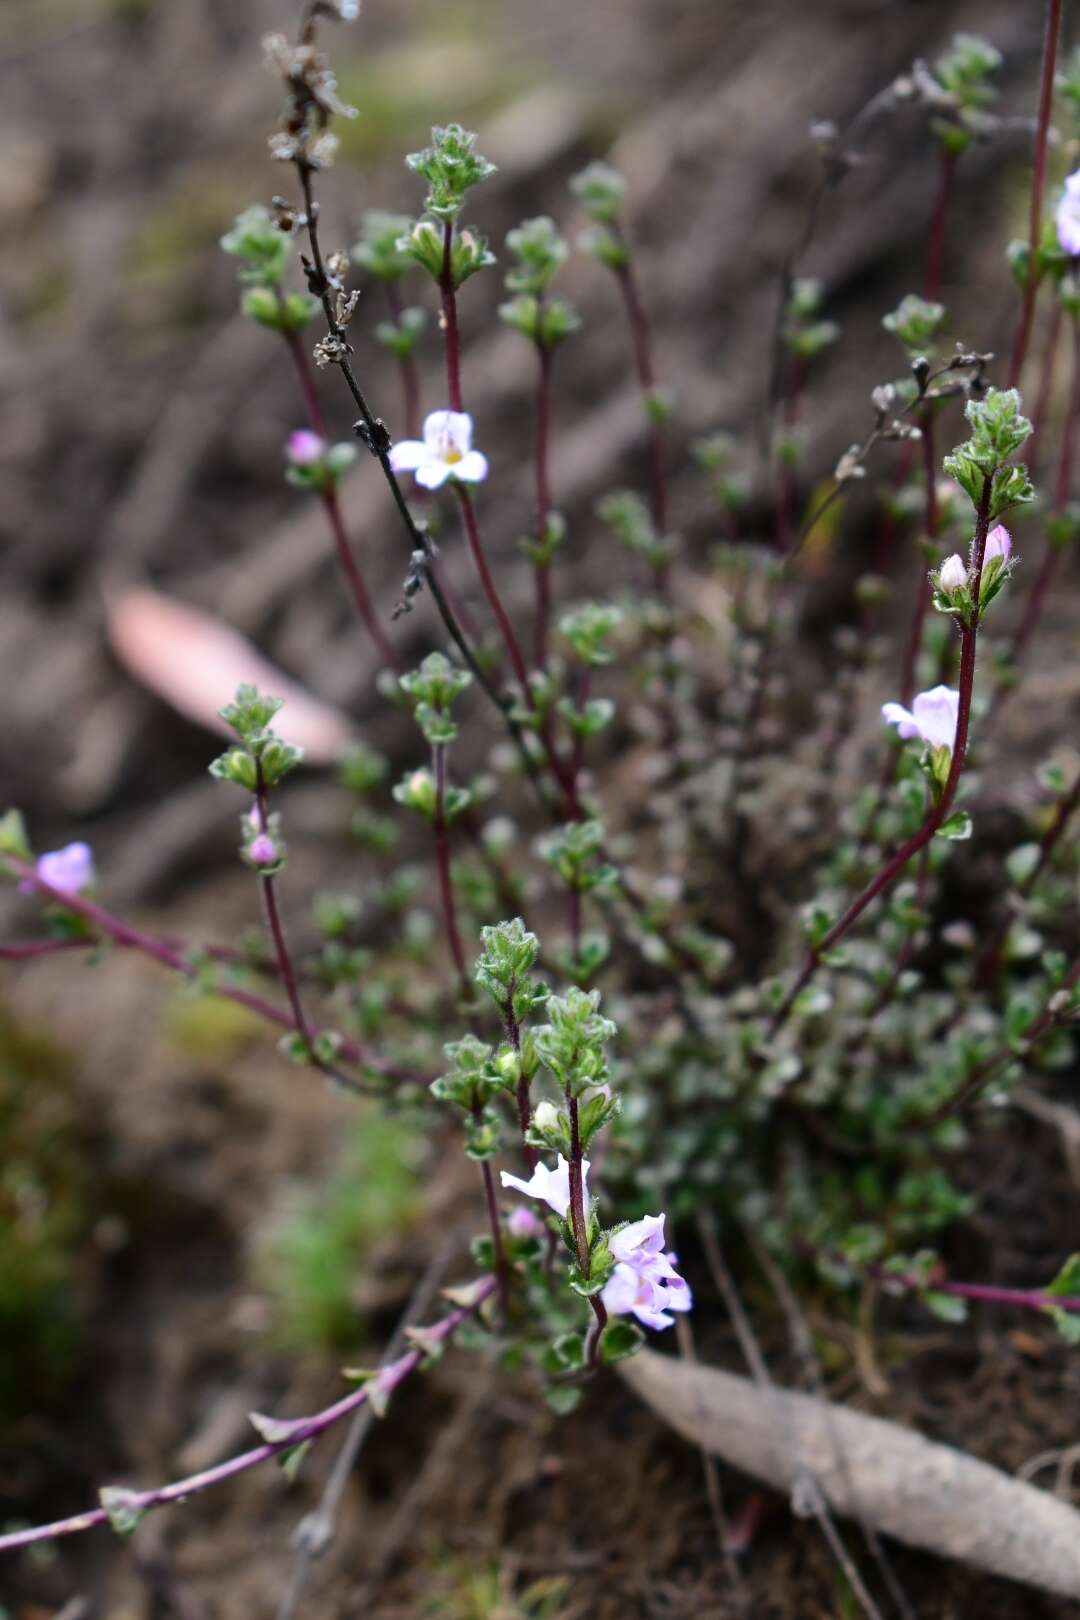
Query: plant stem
x=167 y=955
x=442 y=859
x=502 y=1270
x=577 y=1188
x=1038 y=181
x=299 y=1431
x=332 y=507
x=1008 y=1052
x=987 y=964
x=641 y=336
x=358 y=590
x=276 y=930
x=521 y=1090
x=378 y=441
x=295 y=346
x=1051 y=557
x=892 y=868
x=542 y=569
x=494 y=601
x=935 y=246
x=909 y=671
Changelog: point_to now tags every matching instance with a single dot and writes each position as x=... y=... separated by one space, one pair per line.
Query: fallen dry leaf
x=195 y=663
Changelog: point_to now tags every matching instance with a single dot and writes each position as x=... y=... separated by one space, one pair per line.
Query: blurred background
x=203 y=1201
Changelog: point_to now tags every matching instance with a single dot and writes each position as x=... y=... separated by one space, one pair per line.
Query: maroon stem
x=358 y=590
x=158 y=950
x=1032 y=1299
x=935 y=246
x=542 y=570
x=913 y=647
x=521 y=1091
x=577 y=1188
x=1038 y=181
x=442 y=860
x=1051 y=557
x=892 y=868
x=275 y=927
x=502 y=1269
x=907 y=949
x=641 y=335
x=407 y=370
x=451 y=339
x=332 y=507
x=984 y=1072
x=307 y=383
x=487 y=582
x=299 y=1430
x=987 y=965
x=580 y=1231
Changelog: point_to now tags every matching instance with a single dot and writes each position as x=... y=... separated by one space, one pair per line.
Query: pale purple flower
x=998 y=544
x=932 y=717
x=522 y=1223
x=262 y=851
x=952 y=575
x=551 y=1186
x=69 y=870
x=644 y=1282
x=304 y=448
x=1067 y=217
x=444 y=452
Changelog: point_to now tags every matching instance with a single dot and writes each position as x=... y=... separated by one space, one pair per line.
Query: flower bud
x=998 y=544
x=953 y=574
x=546 y=1117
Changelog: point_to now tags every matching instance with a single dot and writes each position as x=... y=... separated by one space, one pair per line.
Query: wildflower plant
x=634 y=940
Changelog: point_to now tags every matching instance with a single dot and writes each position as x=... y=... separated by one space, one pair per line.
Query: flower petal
x=433 y=474
x=407 y=455
x=896 y=715
x=472 y=468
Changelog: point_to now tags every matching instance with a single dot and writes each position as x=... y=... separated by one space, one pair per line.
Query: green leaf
x=946 y=1307
x=958 y=827
x=619 y=1340
x=563 y=1398
x=1067 y=1282
x=123 y=1508
x=293 y=1460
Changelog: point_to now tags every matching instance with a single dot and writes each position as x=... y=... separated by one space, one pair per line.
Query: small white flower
x=932 y=717
x=444 y=452
x=551 y=1186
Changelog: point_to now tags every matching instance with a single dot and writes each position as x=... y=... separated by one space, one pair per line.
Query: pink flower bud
x=998 y=544
x=304 y=448
x=69 y=870
x=262 y=851
x=522 y=1223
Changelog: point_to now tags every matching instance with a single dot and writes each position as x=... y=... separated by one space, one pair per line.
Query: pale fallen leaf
x=196 y=663
x=916 y=1490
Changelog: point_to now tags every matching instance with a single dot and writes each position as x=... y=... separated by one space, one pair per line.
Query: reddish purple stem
x=299 y=1430
x=892 y=868
x=1038 y=182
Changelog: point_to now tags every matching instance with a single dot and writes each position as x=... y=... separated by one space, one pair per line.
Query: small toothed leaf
x=123 y=1507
